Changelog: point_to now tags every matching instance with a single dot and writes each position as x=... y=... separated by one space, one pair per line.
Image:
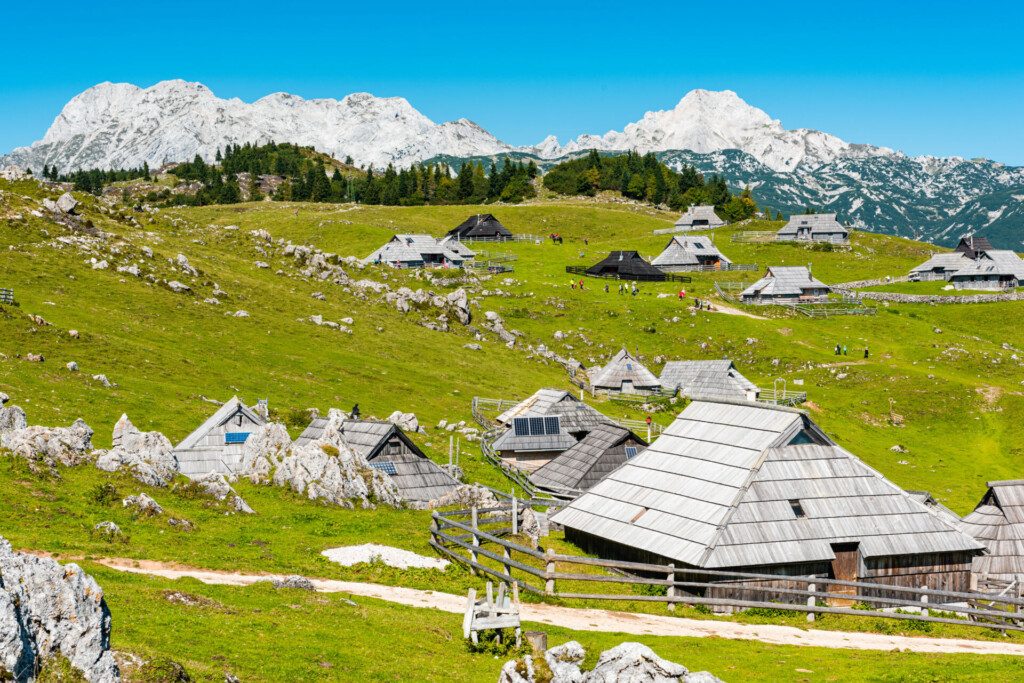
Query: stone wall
x=850 y=288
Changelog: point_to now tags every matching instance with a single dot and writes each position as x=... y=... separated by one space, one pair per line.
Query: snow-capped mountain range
x=118 y=125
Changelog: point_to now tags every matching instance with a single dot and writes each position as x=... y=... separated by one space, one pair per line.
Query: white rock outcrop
x=50 y=446
x=147 y=456
x=50 y=610
x=626 y=663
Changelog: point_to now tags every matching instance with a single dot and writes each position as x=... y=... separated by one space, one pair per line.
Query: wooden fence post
x=549 y=573
x=810 y=601
x=507 y=555
x=671 y=592
x=924 y=602
x=433 y=528
x=515 y=514
x=476 y=542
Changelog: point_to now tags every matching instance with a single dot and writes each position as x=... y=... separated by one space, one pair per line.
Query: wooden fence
x=6 y=296
x=474 y=538
x=646 y=277
x=512 y=238
x=719 y=268
x=832 y=310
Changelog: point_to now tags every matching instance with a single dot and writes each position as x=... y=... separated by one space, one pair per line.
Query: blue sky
x=938 y=78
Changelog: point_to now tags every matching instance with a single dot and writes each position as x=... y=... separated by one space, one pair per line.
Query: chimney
x=809 y=275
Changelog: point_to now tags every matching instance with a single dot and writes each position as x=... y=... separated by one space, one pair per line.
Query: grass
x=947 y=372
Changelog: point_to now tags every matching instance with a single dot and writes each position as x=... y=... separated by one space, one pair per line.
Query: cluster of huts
x=974 y=264
x=217 y=446
x=739 y=485
x=450 y=251
x=811 y=227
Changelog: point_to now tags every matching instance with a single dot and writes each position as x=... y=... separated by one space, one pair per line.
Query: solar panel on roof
x=521 y=426
x=235 y=437
x=385 y=466
x=537 y=426
x=551 y=425
x=630 y=452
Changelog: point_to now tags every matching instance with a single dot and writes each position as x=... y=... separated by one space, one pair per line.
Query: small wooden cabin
x=483 y=226
x=998 y=523
x=760 y=488
x=996 y=269
x=216 y=446
x=389 y=449
x=418 y=251
x=699 y=218
x=624 y=374
x=814 y=227
x=626 y=265
x=786 y=285
x=684 y=253
x=939 y=267
x=695 y=379
x=584 y=464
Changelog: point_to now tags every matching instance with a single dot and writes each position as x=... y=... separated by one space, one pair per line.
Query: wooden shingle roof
x=945 y=261
x=700 y=217
x=784 y=281
x=715 y=491
x=686 y=251
x=998 y=523
x=624 y=368
x=707 y=379
x=625 y=264
x=482 y=225
x=415 y=249
x=819 y=224
x=587 y=462
x=575 y=415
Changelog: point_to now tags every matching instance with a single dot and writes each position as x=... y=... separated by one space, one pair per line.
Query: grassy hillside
x=944 y=383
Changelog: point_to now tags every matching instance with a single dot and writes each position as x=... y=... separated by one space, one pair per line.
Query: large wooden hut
x=786 y=285
x=998 y=523
x=388 y=449
x=814 y=227
x=584 y=464
x=994 y=269
x=697 y=379
x=626 y=265
x=940 y=266
x=624 y=374
x=760 y=488
x=685 y=253
x=699 y=218
x=543 y=426
x=418 y=251
x=483 y=226
x=216 y=445
x=971 y=246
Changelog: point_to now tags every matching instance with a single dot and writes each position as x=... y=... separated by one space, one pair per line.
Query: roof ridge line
x=737 y=499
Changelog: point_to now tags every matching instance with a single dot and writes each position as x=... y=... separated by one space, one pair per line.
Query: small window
x=630 y=452
x=537 y=426
x=551 y=425
x=394 y=447
x=797 y=508
x=521 y=426
x=629 y=366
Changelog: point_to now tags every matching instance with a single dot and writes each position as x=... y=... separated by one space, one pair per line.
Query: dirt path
x=599 y=619
x=729 y=310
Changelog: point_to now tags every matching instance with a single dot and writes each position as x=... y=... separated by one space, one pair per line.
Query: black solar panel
x=537 y=426
x=521 y=426
x=551 y=425
x=385 y=466
x=630 y=452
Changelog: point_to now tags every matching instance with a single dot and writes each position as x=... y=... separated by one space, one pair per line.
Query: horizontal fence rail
x=6 y=296
x=663 y=277
x=479 y=543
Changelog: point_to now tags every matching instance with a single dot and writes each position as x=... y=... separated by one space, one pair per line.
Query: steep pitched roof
x=626 y=264
x=998 y=523
x=971 y=245
x=417 y=477
x=480 y=225
x=707 y=379
x=412 y=249
x=624 y=368
x=223 y=414
x=715 y=489
x=784 y=281
x=817 y=223
x=539 y=440
x=587 y=462
x=686 y=251
x=575 y=415
x=992 y=263
x=703 y=216
x=946 y=261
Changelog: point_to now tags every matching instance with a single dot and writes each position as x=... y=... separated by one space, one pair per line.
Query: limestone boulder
x=147 y=456
x=264 y=450
x=50 y=446
x=12 y=418
x=49 y=610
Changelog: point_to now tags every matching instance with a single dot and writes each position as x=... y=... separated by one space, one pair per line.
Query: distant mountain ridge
x=122 y=125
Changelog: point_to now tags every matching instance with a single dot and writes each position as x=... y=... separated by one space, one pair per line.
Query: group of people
x=842 y=350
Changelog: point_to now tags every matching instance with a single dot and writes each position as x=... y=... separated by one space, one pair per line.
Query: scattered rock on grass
x=293 y=581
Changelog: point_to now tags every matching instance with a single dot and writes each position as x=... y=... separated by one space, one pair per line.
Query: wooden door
x=845 y=567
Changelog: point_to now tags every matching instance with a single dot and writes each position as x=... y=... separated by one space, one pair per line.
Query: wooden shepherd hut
x=814 y=227
x=418 y=251
x=624 y=374
x=699 y=218
x=971 y=246
x=544 y=426
x=996 y=269
x=388 y=449
x=685 y=253
x=760 y=488
x=626 y=265
x=483 y=226
x=786 y=285
x=584 y=464
x=696 y=379
x=940 y=267
x=998 y=523
x=216 y=446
